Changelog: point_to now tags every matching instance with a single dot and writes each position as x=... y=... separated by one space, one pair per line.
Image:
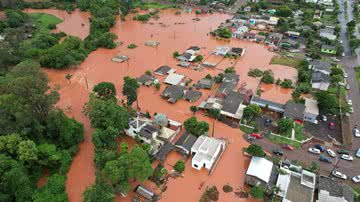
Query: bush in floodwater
x=227 y=188
x=132 y=46
x=255 y=73
x=179 y=166
x=143 y=18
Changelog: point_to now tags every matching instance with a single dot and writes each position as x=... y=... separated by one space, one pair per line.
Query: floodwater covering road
x=175 y=33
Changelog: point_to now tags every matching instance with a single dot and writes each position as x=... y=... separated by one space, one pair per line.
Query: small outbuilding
x=174 y=79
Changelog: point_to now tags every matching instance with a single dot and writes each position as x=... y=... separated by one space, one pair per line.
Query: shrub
x=268 y=77
x=52 y=26
x=227 y=188
x=255 y=73
x=257 y=192
x=179 y=166
x=287 y=83
x=132 y=46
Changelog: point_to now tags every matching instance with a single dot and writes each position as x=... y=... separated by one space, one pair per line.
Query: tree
x=54 y=190
x=257 y=192
x=193 y=109
x=99 y=192
x=68 y=77
x=198 y=58
x=161 y=120
x=9 y=144
x=225 y=33
x=313 y=167
x=105 y=90
x=195 y=127
x=268 y=77
x=140 y=166
x=327 y=102
x=28 y=152
x=230 y=70
x=283 y=11
x=287 y=83
x=179 y=166
x=255 y=150
x=129 y=90
x=251 y=112
x=157 y=86
x=105 y=138
x=176 y=54
x=285 y=124
x=48 y=155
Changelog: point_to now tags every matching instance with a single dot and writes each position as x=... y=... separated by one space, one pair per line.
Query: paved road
x=235 y=7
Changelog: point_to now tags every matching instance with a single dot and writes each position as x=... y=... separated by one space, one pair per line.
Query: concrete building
x=206 y=152
x=311 y=110
x=260 y=172
x=174 y=79
x=330 y=190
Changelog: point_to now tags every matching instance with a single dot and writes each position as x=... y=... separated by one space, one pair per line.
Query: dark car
x=267 y=122
x=319 y=147
x=277 y=152
x=325 y=159
x=343 y=151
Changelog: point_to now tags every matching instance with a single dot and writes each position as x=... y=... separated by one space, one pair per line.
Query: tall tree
x=105 y=90
x=195 y=127
x=99 y=192
x=130 y=89
x=140 y=166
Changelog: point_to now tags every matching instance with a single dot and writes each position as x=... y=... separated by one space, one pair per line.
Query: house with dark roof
x=193 y=50
x=162 y=70
x=232 y=105
x=204 y=84
x=146 y=80
x=320 y=66
x=320 y=81
x=148 y=132
x=186 y=57
x=185 y=142
x=288 y=43
x=294 y=111
x=173 y=93
x=237 y=51
x=263 y=103
x=274 y=38
x=228 y=84
x=330 y=190
x=192 y=95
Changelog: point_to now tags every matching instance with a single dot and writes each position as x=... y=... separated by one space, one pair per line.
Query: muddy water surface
x=175 y=33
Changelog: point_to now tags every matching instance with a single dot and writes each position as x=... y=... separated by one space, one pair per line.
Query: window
x=195 y=165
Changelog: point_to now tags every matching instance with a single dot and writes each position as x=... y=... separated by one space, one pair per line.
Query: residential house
x=237 y=51
x=120 y=58
x=206 y=152
x=228 y=84
x=232 y=105
x=320 y=81
x=145 y=193
x=294 y=111
x=204 y=84
x=328 y=33
x=288 y=43
x=277 y=107
x=173 y=93
x=328 y=49
x=247 y=9
x=221 y=50
x=319 y=65
x=249 y=36
x=174 y=79
x=212 y=103
x=274 y=38
x=193 y=50
x=296 y=186
x=162 y=70
x=260 y=38
x=184 y=64
x=292 y=34
x=186 y=57
x=185 y=142
x=152 y=43
x=330 y=190
x=240 y=31
x=192 y=95
x=326 y=3
x=311 y=1
x=147 y=80
x=317 y=14
x=260 y=172
x=311 y=110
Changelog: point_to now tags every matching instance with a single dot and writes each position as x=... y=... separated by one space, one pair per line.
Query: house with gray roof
x=146 y=80
x=330 y=190
x=192 y=95
x=294 y=111
x=162 y=70
x=320 y=81
x=185 y=142
x=320 y=66
x=228 y=84
x=173 y=93
x=186 y=57
x=144 y=192
x=236 y=51
x=263 y=103
x=328 y=33
x=232 y=105
x=204 y=84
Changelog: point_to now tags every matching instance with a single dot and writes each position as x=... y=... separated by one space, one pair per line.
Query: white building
x=311 y=110
x=259 y=171
x=206 y=152
x=174 y=79
x=240 y=31
x=334 y=191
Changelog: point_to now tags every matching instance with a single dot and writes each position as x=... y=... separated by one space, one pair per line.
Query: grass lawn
x=299 y=135
x=287 y=133
x=43 y=20
x=282 y=140
x=328 y=19
x=150 y=5
x=246 y=130
x=291 y=62
x=358 y=74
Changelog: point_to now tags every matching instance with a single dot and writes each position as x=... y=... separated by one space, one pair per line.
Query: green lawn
x=282 y=140
x=246 y=130
x=328 y=19
x=43 y=20
x=299 y=135
x=150 y=5
x=291 y=62
x=358 y=74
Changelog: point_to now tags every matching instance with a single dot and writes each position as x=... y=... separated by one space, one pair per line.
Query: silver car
x=331 y=153
x=346 y=157
x=338 y=174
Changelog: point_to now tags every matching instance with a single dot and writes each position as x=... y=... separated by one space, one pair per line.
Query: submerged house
x=261 y=172
x=263 y=103
x=163 y=70
x=174 y=79
x=204 y=84
x=185 y=143
x=192 y=95
x=173 y=93
x=147 y=80
x=206 y=152
x=228 y=84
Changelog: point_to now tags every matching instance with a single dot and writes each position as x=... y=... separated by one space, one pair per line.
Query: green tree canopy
x=255 y=150
x=251 y=112
x=327 y=102
x=99 y=192
x=130 y=89
x=105 y=90
x=54 y=190
x=195 y=127
x=285 y=124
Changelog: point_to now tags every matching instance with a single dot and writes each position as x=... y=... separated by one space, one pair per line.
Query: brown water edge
x=75 y=24
x=173 y=36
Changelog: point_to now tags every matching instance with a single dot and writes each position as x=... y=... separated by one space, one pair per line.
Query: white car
x=314 y=150
x=345 y=75
x=346 y=157
x=356 y=132
x=331 y=153
x=338 y=174
x=349 y=102
x=356 y=179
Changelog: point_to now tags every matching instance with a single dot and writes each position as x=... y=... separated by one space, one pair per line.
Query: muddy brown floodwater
x=175 y=33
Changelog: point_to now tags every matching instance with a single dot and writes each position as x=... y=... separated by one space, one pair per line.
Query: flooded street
x=175 y=33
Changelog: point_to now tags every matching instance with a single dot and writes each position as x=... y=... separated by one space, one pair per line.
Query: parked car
x=349 y=102
x=357 y=154
x=347 y=87
x=331 y=153
x=325 y=159
x=343 y=151
x=346 y=157
x=331 y=125
x=356 y=132
x=278 y=152
x=319 y=147
x=338 y=174
x=256 y=135
x=288 y=147
x=345 y=75
x=314 y=150
x=323 y=118
x=267 y=122
x=356 y=179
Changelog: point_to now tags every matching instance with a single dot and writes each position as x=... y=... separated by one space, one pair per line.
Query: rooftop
x=147 y=131
x=261 y=168
x=294 y=110
x=173 y=93
x=311 y=106
x=205 y=148
x=232 y=102
x=186 y=141
x=328 y=47
x=335 y=189
x=163 y=70
x=319 y=77
x=320 y=65
x=174 y=79
x=145 y=78
x=192 y=95
x=270 y=104
x=204 y=83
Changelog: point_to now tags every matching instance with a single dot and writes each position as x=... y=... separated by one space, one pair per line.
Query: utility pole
x=87 y=85
x=335 y=166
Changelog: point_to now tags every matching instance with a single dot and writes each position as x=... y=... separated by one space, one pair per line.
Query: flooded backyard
x=175 y=33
